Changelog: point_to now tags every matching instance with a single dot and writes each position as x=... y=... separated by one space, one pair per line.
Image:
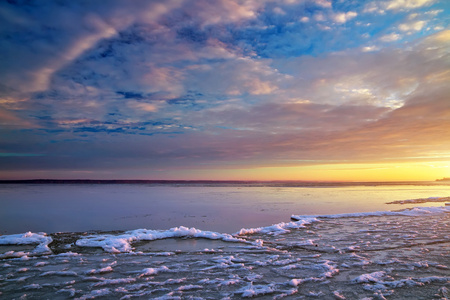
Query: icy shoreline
x=225 y=209
x=379 y=255
x=122 y=242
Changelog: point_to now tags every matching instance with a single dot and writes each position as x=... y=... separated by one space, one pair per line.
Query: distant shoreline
x=444 y=179
x=220 y=182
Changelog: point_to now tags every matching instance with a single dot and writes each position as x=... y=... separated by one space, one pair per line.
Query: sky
x=225 y=89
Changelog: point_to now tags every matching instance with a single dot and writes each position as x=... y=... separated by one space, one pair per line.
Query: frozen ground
x=380 y=255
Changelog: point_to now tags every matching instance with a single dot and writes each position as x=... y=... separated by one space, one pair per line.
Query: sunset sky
x=225 y=89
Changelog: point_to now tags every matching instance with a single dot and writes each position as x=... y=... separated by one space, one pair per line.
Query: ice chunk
x=189 y=287
x=295 y=282
x=96 y=293
x=153 y=271
x=421 y=200
x=279 y=228
x=33 y=286
x=100 y=271
x=431 y=279
x=59 y=273
x=416 y=211
x=70 y=291
x=115 y=281
x=255 y=290
x=444 y=292
x=338 y=295
x=122 y=243
x=370 y=277
x=29 y=238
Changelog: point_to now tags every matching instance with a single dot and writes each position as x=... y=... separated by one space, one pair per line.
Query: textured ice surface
x=421 y=200
x=122 y=242
x=40 y=242
x=399 y=255
x=415 y=211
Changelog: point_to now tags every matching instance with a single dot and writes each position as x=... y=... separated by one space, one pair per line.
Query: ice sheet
x=376 y=255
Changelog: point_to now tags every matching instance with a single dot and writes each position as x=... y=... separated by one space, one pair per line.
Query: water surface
x=223 y=208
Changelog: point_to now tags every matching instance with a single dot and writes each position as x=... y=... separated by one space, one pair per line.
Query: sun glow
x=427 y=171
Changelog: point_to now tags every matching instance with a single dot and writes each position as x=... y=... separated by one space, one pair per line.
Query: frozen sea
x=224 y=241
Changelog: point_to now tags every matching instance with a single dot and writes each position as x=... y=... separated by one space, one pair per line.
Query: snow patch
x=255 y=290
x=279 y=228
x=122 y=243
x=189 y=287
x=96 y=293
x=338 y=295
x=412 y=212
x=104 y=282
x=370 y=277
x=100 y=271
x=296 y=282
x=421 y=200
x=153 y=271
x=28 y=238
x=59 y=273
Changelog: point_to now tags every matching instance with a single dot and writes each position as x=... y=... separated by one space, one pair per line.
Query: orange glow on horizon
x=328 y=172
x=350 y=172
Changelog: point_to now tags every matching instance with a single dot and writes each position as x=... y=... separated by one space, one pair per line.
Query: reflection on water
x=228 y=208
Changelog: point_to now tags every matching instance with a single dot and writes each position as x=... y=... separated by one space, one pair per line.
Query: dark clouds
x=153 y=85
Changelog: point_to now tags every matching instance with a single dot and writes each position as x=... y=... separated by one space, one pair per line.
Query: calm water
x=222 y=208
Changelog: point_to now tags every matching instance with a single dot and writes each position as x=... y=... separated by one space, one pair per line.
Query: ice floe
x=279 y=228
x=421 y=200
x=153 y=271
x=122 y=242
x=41 y=240
x=100 y=271
x=416 y=211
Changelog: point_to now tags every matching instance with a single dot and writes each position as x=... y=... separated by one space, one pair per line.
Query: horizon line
x=88 y=180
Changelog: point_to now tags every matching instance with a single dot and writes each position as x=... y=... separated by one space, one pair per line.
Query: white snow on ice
x=343 y=256
x=122 y=242
x=411 y=212
x=28 y=238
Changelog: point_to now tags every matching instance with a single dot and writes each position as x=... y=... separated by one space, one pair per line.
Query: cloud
x=222 y=11
x=344 y=17
x=407 y=4
x=45 y=39
x=414 y=130
x=304 y=19
x=382 y=78
x=139 y=106
x=9 y=119
x=370 y=48
x=381 y=7
x=234 y=77
x=182 y=84
x=288 y=117
x=323 y=3
x=284 y=129
x=412 y=26
x=392 y=37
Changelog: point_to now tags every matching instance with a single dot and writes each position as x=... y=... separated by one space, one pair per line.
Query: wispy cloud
x=179 y=84
x=382 y=6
